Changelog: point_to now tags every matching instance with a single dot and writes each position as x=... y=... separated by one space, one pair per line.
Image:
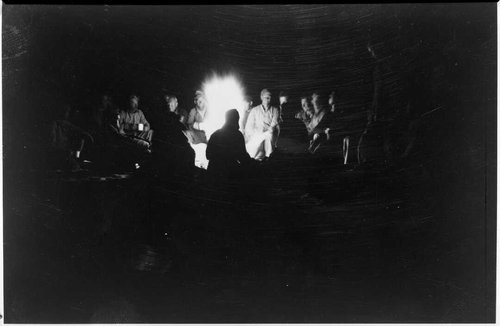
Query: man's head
x=134 y=102
x=172 y=102
x=304 y=103
x=283 y=97
x=247 y=103
x=331 y=101
x=199 y=100
x=265 y=97
x=232 y=118
x=316 y=101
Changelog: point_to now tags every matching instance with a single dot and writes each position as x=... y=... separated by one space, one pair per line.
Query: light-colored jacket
x=261 y=120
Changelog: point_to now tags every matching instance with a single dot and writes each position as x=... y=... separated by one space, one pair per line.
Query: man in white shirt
x=261 y=129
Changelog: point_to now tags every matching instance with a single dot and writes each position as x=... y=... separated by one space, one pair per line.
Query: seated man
x=133 y=123
x=261 y=130
x=306 y=113
x=341 y=128
x=117 y=151
x=319 y=126
x=226 y=148
x=196 y=132
x=173 y=106
x=195 y=129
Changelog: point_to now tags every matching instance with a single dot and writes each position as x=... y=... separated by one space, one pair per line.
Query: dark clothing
x=116 y=150
x=66 y=140
x=172 y=153
x=291 y=127
x=129 y=124
x=67 y=136
x=226 y=152
x=169 y=132
x=182 y=116
x=103 y=118
x=320 y=122
x=283 y=111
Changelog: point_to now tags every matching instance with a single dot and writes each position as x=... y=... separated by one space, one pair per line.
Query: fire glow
x=222 y=93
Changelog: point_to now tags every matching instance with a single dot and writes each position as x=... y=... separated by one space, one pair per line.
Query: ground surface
x=307 y=240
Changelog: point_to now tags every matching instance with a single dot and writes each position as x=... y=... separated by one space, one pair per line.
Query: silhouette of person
x=226 y=148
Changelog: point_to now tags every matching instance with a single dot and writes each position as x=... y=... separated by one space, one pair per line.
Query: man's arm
x=143 y=120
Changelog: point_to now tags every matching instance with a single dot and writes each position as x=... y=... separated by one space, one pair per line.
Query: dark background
x=444 y=56
x=70 y=54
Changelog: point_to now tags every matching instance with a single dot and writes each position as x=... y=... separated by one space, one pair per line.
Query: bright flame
x=222 y=94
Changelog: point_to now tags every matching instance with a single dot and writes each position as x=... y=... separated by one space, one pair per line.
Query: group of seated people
x=250 y=132
x=115 y=135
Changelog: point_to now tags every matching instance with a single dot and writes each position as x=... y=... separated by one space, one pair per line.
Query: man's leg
x=316 y=141
x=276 y=137
x=269 y=143
x=254 y=145
x=146 y=135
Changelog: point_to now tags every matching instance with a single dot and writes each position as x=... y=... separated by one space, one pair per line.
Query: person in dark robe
x=172 y=153
x=226 y=148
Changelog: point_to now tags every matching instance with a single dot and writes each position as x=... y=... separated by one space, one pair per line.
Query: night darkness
x=415 y=244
